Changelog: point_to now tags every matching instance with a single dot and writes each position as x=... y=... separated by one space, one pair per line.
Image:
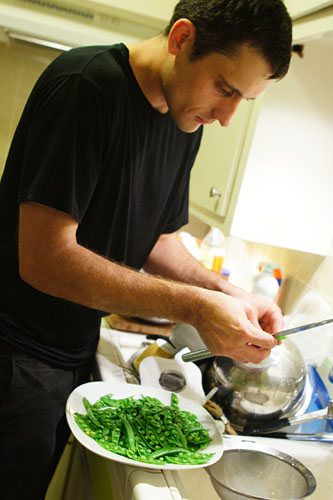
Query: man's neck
x=146 y=60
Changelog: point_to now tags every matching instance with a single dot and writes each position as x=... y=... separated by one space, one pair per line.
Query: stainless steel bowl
x=252 y=471
x=254 y=393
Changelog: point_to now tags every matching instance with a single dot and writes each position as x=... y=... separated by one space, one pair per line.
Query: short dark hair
x=224 y=25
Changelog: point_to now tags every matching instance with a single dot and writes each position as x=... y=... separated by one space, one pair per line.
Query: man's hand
x=268 y=314
x=231 y=321
x=229 y=327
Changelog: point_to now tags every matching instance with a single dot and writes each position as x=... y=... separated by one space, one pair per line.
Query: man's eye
x=224 y=92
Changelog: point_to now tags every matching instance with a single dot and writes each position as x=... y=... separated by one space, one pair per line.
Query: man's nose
x=226 y=110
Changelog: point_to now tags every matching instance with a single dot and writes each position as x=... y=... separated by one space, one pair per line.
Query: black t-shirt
x=91 y=145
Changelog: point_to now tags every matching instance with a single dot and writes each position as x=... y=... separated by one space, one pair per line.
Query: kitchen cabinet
x=298 y=8
x=73 y=23
x=158 y=10
x=285 y=199
x=219 y=167
x=312 y=26
x=267 y=178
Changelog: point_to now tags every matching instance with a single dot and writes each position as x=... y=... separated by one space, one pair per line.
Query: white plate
x=95 y=390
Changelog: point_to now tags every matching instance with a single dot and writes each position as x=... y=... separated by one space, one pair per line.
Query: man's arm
x=51 y=260
x=171 y=259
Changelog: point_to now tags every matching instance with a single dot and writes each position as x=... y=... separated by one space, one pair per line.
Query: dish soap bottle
x=213 y=250
x=266 y=283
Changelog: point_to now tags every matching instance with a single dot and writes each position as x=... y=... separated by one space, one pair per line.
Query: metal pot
x=250 y=393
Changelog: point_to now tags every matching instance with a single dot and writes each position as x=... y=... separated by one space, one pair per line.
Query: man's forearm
x=52 y=261
x=171 y=259
x=81 y=276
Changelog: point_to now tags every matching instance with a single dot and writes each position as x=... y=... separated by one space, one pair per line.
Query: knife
x=205 y=353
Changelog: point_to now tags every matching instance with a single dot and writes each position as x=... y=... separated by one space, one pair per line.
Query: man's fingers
x=252 y=317
x=260 y=338
x=258 y=355
x=252 y=354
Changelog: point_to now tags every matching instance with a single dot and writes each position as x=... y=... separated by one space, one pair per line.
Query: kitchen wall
x=302 y=272
x=21 y=64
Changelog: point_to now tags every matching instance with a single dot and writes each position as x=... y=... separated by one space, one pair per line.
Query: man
x=95 y=188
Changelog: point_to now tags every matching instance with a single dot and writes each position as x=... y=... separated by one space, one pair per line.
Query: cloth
x=33 y=427
x=90 y=144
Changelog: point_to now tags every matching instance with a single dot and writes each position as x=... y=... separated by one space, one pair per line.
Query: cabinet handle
x=214 y=192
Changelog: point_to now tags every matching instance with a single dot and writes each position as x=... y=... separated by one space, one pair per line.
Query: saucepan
x=256 y=397
x=251 y=394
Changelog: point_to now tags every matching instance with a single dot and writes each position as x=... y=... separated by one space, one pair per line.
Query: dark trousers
x=33 y=427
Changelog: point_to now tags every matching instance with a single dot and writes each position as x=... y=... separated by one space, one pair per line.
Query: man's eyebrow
x=230 y=86
x=235 y=90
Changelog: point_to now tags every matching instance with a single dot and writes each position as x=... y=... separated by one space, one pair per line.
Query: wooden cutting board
x=136 y=325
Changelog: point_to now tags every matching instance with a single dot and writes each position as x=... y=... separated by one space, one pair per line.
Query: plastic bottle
x=191 y=243
x=213 y=250
x=265 y=284
x=225 y=273
x=160 y=348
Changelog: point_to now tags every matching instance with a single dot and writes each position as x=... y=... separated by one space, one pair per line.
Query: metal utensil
x=250 y=470
x=323 y=437
x=273 y=425
x=296 y=329
x=205 y=353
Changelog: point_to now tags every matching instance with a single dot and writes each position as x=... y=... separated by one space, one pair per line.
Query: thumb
x=261 y=339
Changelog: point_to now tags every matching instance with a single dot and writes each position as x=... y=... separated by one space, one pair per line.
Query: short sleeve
x=64 y=145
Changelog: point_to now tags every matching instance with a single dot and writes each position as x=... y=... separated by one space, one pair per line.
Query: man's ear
x=182 y=34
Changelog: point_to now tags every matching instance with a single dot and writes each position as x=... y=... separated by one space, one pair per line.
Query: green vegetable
x=129 y=432
x=146 y=430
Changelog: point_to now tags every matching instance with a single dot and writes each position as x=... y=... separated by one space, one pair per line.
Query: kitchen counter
x=115 y=348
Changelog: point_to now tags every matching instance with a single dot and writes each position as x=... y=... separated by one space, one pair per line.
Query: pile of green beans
x=146 y=430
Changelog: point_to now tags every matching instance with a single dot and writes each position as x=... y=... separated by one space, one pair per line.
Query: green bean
x=116 y=436
x=174 y=401
x=181 y=436
x=167 y=451
x=129 y=431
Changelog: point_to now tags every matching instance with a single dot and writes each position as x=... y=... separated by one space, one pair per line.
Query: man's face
x=209 y=89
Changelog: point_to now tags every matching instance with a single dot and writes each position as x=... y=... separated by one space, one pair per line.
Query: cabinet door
x=298 y=8
x=313 y=26
x=219 y=166
x=286 y=195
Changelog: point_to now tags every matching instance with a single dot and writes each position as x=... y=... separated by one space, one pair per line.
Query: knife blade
x=302 y=328
x=205 y=353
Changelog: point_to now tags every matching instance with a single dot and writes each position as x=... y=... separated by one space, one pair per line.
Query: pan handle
x=274 y=425
x=265 y=427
